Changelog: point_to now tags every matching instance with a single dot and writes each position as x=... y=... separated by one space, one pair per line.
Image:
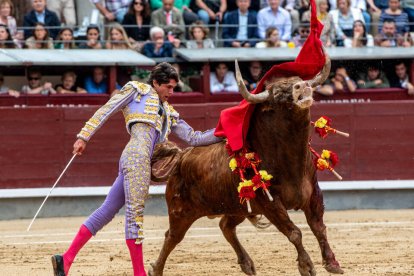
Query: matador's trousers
x=131 y=186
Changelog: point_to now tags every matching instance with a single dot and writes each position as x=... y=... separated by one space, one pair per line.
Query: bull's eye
x=296 y=87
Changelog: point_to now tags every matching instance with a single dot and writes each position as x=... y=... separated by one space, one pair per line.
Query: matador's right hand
x=79 y=147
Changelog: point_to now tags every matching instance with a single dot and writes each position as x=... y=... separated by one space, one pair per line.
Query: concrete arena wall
x=36 y=142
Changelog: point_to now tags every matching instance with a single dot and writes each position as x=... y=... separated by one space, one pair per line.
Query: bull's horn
x=324 y=73
x=251 y=98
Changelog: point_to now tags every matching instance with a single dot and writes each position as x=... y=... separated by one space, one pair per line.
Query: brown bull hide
x=202 y=184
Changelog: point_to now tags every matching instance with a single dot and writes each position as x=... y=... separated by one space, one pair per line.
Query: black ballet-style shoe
x=57 y=263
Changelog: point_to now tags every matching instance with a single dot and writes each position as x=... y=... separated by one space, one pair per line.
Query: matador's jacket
x=148 y=121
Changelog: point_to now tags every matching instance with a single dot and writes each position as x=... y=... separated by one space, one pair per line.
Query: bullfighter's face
x=165 y=90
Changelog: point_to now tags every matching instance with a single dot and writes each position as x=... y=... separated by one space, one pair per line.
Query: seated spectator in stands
x=373 y=78
x=243 y=33
x=137 y=23
x=408 y=7
x=65 y=39
x=68 y=85
x=328 y=31
x=117 y=38
x=112 y=10
x=272 y=39
x=389 y=36
x=223 y=80
x=157 y=47
x=41 y=14
x=375 y=8
x=211 y=10
x=254 y=74
x=4 y=90
x=183 y=5
x=292 y=7
x=6 y=18
x=65 y=11
x=93 y=39
x=402 y=80
x=254 y=5
x=171 y=20
x=274 y=16
x=340 y=81
x=181 y=85
x=360 y=38
x=343 y=19
x=303 y=33
x=199 y=37
x=360 y=5
x=395 y=13
x=97 y=83
x=40 y=38
x=6 y=40
x=35 y=86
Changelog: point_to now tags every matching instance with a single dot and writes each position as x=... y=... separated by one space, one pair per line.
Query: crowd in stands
x=156 y=27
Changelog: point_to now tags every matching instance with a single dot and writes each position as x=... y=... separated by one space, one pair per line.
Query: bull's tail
x=164 y=160
x=259 y=221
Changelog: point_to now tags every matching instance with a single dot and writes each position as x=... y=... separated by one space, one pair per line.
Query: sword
x=57 y=181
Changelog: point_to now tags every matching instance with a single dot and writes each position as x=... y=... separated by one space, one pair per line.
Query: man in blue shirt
x=41 y=14
x=274 y=16
x=96 y=84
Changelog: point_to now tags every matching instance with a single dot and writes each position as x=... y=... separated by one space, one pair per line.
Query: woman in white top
x=360 y=37
x=199 y=36
x=223 y=80
x=272 y=39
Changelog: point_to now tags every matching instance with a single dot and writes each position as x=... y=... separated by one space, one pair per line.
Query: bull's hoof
x=247 y=267
x=152 y=271
x=305 y=266
x=334 y=268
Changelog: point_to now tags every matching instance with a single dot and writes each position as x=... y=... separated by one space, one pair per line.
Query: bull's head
x=292 y=90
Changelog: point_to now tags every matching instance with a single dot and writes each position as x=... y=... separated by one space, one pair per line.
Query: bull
x=201 y=183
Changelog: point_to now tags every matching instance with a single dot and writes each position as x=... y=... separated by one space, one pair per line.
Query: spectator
x=254 y=5
x=4 y=90
x=292 y=6
x=40 y=38
x=360 y=38
x=343 y=19
x=65 y=11
x=170 y=19
x=136 y=23
x=41 y=14
x=211 y=10
x=328 y=31
x=395 y=13
x=253 y=75
x=6 y=18
x=373 y=78
x=65 y=39
x=35 y=86
x=243 y=32
x=389 y=36
x=199 y=36
x=223 y=80
x=113 y=10
x=93 y=39
x=157 y=47
x=6 y=40
x=272 y=39
x=376 y=7
x=68 y=85
x=341 y=81
x=408 y=6
x=183 y=5
x=401 y=80
x=97 y=83
x=303 y=33
x=181 y=85
x=117 y=38
x=274 y=16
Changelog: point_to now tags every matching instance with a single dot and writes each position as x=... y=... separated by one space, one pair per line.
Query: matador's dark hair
x=163 y=73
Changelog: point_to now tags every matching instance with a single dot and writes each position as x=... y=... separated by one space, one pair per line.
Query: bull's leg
x=277 y=214
x=314 y=215
x=228 y=227
x=174 y=235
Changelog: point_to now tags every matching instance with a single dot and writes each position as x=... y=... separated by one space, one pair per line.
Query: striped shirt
x=114 y=5
x=401 y=21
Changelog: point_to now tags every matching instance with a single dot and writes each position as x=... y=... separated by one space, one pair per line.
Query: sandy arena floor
x=365 y=243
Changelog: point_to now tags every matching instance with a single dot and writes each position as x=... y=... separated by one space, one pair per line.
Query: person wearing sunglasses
x=35 y=86
x=302 y=35
x=137 y=23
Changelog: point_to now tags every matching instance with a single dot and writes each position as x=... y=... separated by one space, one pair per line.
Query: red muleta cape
x=234 y=121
